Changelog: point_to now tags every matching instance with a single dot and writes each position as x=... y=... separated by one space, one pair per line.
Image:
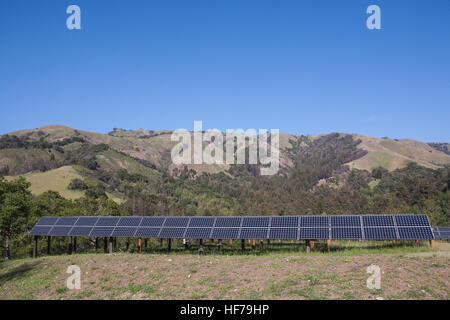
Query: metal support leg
x=70 y=245
x=49 y=241
x=35 y=246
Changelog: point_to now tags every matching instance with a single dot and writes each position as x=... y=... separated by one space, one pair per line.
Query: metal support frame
x=35 y=246
x=49 y=241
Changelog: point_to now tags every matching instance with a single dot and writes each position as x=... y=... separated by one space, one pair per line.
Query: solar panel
x=414 y=233
x=147 y=232
x=197 y=233
x=176 y=222
x=172 y=232
x=48 y=221
x=345 y=221
x=201 y=222
x=411 y=220
x=129 y=221
x=253 y=233
x=284 y=222
x=107 y=221
x=281 y=227
x=346 y=233
x=40 y=230
x=66 y=221
x=313 y=222
x=86 y=221
x=444 y=235
x=152 y=221
x=255 y=222
x=283 y=233
x=314 y=233
x=101 y=231
x=225 y=233
x=378 y=221
x=380 y=233
x=80 y=231
x=59 y=231
x=123 y=232
x=228 y=222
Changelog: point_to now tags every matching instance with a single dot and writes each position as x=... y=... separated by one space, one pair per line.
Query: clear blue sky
x=303 y=67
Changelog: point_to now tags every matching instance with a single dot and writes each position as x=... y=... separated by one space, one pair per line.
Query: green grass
x=274 y=273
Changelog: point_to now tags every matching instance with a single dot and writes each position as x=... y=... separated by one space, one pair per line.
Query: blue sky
x=303 y=67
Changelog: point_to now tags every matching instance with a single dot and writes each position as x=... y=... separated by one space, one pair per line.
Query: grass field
x=280 y=272
x=57 y=180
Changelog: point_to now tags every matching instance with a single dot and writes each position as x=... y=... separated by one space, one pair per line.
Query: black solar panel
x=80 y=231
x=313 y=222
x=253 y=233
x=413 y=233
x=380 y=233
x=283 y=233
x=228 y=222
x=152 y=221
x=255 y=222
x=86 y=221
x=59 y=231
x=411 y=220
x=281 y=227
x=444 y=235
x=225 y=233
x=107 y=222
x=346 y=233
x=201 y=222
x=129 y=221
x=345 y=221
x=172 y=232
x=66 y=221
x=147 y=232
x=40 y=230
x=48 y=221
x=284 y=222
x=314 y=233
x=123 y=232
x=101 y=231
x=378 y=221
x=197 y=233
x=176 y=222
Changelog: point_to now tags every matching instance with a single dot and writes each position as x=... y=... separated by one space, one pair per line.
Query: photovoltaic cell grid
x=376 y=227
x=442 y=233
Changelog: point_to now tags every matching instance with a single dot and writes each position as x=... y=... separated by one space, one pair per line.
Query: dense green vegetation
x=319 y=183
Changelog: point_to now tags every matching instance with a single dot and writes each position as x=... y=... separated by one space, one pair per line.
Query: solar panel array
x=442 y=233
x=372 y=227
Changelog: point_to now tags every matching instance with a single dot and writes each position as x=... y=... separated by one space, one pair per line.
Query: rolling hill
x=52 y=156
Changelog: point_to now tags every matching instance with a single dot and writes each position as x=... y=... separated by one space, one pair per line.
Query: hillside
x=328 y=173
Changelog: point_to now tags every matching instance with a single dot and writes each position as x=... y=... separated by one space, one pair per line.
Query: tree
x=15 y=204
